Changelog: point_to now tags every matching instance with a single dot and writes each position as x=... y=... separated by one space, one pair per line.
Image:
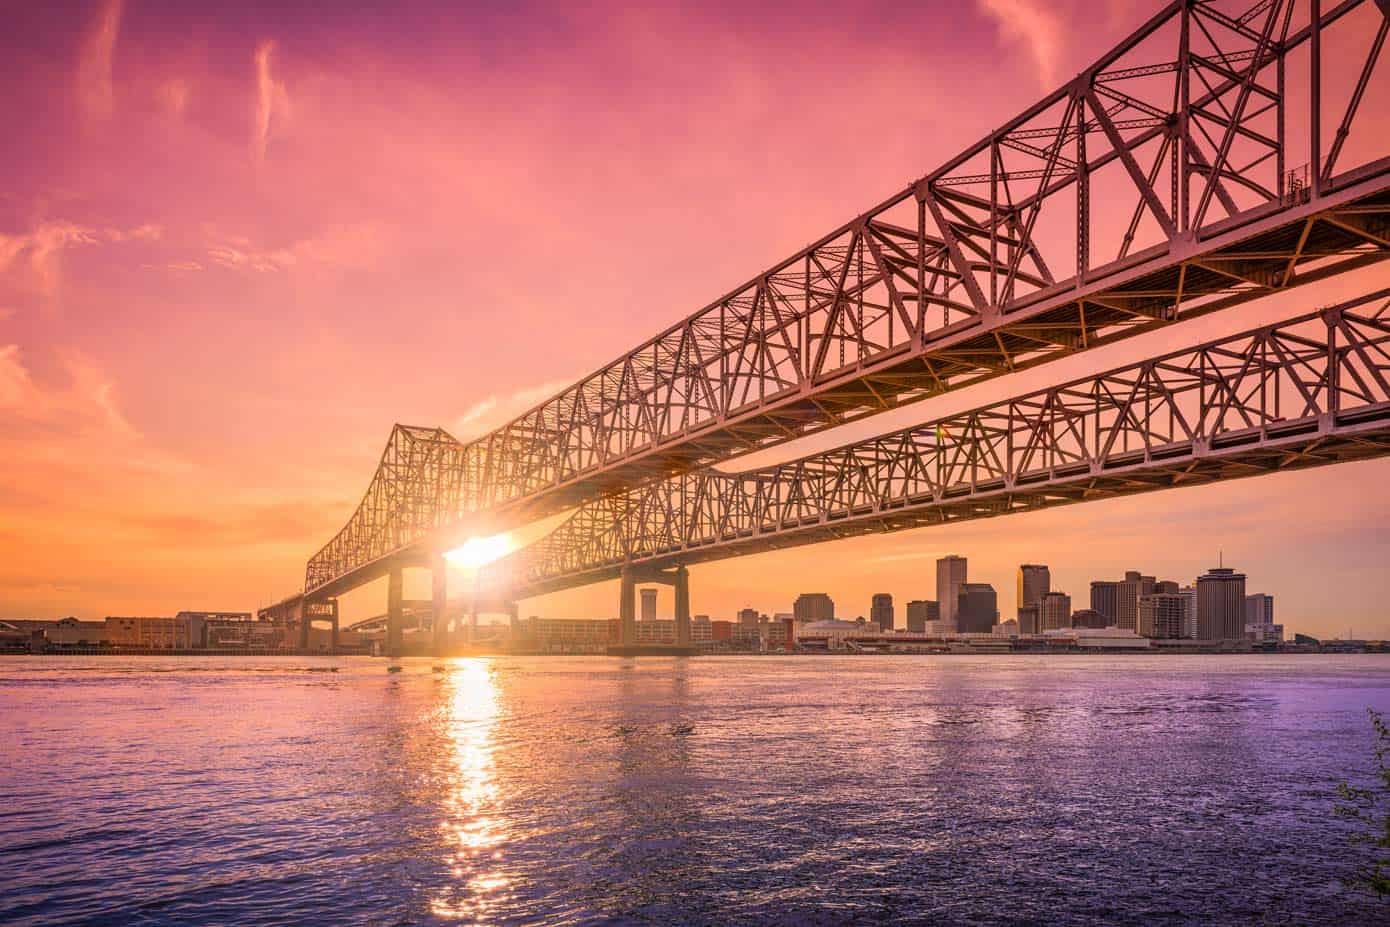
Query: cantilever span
x=1211 y=128
x=1311 y=391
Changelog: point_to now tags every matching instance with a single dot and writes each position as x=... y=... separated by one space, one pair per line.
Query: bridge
x=1212 y=126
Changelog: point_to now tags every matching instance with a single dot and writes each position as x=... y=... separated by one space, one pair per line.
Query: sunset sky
x=238 y=241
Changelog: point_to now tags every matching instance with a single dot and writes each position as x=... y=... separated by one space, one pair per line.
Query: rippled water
x=948 y=790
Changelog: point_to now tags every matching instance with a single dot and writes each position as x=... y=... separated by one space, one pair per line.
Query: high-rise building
x=1088 y=618
x=1259 y=609
x=1259 y=619
x=1030 y=619
x=881 y=611
x=1163 y=615
x=813 y=606
x=1054 y=611
x=1034 y=582
x=748 y=617
x=919 y=612
x=648 y=604
x=950 y=577
x=1130 y=590
x=1221 y=604
x=1166 y=586
x=977 y=609
x=1189 y=628
x=1105 y=600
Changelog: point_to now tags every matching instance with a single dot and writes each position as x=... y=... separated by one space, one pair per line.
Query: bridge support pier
x=627 y=603
x=682 y=585
x=305 y=619
x=394 y=618
x=439 y=578
x=627 y=608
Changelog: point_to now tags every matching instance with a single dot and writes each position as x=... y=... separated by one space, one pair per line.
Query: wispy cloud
x=87 y=400
x=71 y=421
x=272 y=103
x=1036 y=26
x=94 y=72
x=360 y=245
x=496 y=410
x=40 y=251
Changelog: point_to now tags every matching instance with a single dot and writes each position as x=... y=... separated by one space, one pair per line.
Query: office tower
x=1054 y=612
x=1034 y=582
x=1088 y=618
x=1130 y=589
x=748 y=617
x=1221 y=604
x=1259 y=609
x=977 y=608
x=1105 y=597
x=881 y=611
x=1166 y=586
x=919 y=612
x=1163 y=615
x=1259 y=619
x=813 y=606
x=648 y=604
x=950 y=577
x=1030 y=619
x=1189 y=614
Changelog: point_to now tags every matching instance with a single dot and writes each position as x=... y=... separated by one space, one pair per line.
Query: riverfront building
x=152 y=633
x=919 y=612
x=1128 y=593
x=1105 y=600
x=812 y=606
x=1163 y=615
x=1221 y=604
x=977 y=609
x=1055 y=611
x=881 y=611
x=1088 y=618
x=951 y=572
x=1034 y=582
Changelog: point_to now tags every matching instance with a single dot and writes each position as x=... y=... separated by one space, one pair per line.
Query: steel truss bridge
x=1216 y=155
x=1307 y=392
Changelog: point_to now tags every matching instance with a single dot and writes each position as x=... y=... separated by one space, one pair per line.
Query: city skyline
x=145 y=433
x=654 y=606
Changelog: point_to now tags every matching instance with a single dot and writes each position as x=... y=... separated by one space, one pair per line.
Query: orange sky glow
x=239 y=241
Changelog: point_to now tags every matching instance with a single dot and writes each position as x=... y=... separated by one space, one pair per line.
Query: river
x=761 y=790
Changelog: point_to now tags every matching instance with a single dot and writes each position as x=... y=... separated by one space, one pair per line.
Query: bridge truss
x=1311 y=391
x=1206 y=123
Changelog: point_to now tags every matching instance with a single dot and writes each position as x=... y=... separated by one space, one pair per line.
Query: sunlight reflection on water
x=470 y=711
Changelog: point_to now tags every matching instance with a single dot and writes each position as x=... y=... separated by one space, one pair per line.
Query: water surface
x=797 y=790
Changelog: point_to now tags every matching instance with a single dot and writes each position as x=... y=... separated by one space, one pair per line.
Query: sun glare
x=477 y=552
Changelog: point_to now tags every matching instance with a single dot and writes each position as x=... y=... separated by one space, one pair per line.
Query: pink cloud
x=1034 y=25
x=272 y=102
x=94 y=70
x=496 y=410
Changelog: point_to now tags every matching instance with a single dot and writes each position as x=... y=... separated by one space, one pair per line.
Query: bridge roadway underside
x=1295 y=445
